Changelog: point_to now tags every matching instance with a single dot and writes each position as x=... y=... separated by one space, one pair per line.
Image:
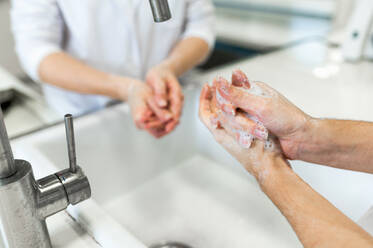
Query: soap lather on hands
x=255 y=105
x=242 y=124
x=236 y=115
x=239 y=132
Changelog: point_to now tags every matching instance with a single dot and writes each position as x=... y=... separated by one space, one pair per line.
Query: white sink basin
x=162 y=190
x=181 y=188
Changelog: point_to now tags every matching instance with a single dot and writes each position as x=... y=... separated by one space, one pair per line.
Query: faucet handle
x=73 y=179
x=70 y=138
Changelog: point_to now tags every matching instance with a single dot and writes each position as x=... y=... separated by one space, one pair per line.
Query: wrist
x=271 y=174
x=268 y=167
x=305 y=140
x=171 y=66
x=121 y=87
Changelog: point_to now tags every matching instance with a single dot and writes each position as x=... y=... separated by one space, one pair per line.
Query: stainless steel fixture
x=161 y=10
x=25 y=203
x=170 y=245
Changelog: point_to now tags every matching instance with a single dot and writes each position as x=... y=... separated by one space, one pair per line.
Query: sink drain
x=170 y=245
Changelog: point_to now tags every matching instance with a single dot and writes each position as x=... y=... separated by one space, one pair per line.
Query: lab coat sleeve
x=37 y=26
x=200 y=21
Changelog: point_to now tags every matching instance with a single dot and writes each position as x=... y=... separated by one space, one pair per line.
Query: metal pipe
x=70 y=142
x=7 y=165
x=21 y=225
x=161 y=10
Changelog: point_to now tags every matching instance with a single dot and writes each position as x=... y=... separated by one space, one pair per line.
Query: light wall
x=9 y=61
x=8 y=58
x=314 y=8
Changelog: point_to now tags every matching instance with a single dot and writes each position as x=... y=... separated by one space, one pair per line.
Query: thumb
x=140 y=114
x=160 y=90
x=240 y=79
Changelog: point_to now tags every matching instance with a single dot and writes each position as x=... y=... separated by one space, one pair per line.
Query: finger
x=163 y=114
x=157 y=132
x=239 y=79
x=226 y=137
x=148 y=114
x=160 y=129
x=154 y=124
x=251 y=126
x=241 y=121
x=151 y=118
x=175 y=96
x=239 y=126
x=223 y=103
x=242 y=136
x=242 y=124
x=171 y=126
x=244 y=100
x=207 y=116
x=140 y=114
x=204 y=104
x=160 y=91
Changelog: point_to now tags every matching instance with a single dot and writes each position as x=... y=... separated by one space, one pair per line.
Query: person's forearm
x=64 y=71
x=338 y=143
x=187 y=54
x=316 y=222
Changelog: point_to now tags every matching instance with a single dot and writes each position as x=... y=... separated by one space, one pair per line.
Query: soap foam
x=245 y=139
x=255 y=89
x=221 y=99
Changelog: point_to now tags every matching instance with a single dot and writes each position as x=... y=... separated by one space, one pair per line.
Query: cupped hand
x=258 y=159
x=282 y=118
x=145 y=113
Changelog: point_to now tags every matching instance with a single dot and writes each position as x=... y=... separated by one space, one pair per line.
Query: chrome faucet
x=25 y=203
x=161 y=10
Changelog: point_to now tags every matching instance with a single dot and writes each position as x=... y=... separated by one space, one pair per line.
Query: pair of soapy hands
x=156 y=106
x=252 y=121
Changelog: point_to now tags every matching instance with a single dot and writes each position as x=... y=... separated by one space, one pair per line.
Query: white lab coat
x=115 y=36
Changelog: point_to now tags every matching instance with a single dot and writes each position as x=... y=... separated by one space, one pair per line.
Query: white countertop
x=264 y=31
x=8 y=81
x=29 y=105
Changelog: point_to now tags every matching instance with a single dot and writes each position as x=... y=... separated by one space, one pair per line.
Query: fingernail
x=261 y=133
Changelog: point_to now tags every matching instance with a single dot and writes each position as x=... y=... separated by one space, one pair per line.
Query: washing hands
x=262 y=130
x=156 y=105
x=252 y=121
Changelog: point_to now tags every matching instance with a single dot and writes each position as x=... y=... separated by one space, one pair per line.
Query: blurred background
x=244 y=28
